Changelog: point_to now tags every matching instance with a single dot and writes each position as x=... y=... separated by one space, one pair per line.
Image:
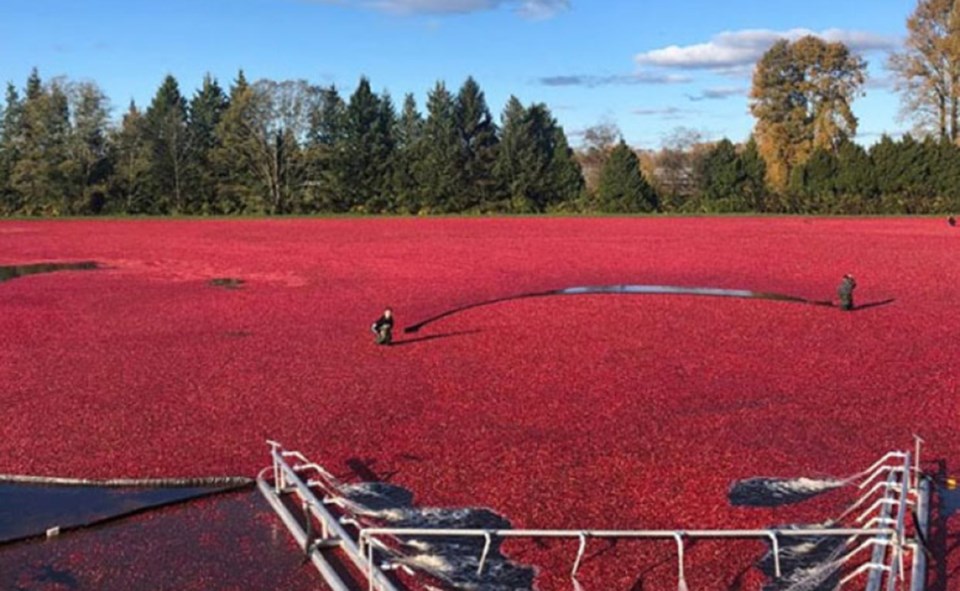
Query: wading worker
x=383 y=328
x=845 y=292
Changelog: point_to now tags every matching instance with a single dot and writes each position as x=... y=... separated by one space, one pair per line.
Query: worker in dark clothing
x=952 y=221
x=845 y=292
x=383 y=328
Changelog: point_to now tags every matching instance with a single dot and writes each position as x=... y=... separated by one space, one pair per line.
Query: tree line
x=270 y=147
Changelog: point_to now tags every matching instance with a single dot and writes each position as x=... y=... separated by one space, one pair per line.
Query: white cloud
x=732 y=50
x=531 y=9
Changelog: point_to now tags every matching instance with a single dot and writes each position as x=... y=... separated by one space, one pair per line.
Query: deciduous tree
x=801 y=97
x=927 y=70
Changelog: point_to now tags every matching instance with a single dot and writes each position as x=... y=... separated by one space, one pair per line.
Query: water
x=9 y=272
x=30 y=510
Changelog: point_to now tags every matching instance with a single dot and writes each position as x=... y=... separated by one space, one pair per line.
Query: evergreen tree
x=622 y=188
x=89 y=166
x=166 y=131
x=565 y=171
x=439 y=168
x=408 y=133
x=367 y=147
x=885 y=160
x=508 y=167
x=722 y=177
x=755 y=174
x=946 y=178
x=39 y=174
x=478 y=137
x=855 y=178
x=11 y=133
x=205 y=111
x=132 y=159
x=814 y=182
x=526 y=159
x=325 y=166
x=239 y=188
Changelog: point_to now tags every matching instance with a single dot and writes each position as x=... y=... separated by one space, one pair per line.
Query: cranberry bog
x=176 y=349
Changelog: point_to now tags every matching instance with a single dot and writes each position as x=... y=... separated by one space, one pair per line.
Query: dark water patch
x=774 y=492
x=8 y=272
x=949 y=501
x=227 y=282
x=29 y=510
x=238 y=334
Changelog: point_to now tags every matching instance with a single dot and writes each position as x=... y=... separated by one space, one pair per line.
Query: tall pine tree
x=166 y=132
x=622 y=188
x=479 y=143
x=439 y=168
x=205 y=111
x=408 y=132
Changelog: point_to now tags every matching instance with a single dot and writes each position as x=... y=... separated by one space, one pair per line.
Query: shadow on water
x=29 y=510
x=9 y=272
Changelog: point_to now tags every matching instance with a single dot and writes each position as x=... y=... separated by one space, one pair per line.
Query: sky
x=651 y=67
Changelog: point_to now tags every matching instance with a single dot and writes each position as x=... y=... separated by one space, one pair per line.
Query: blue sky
x=649 y=66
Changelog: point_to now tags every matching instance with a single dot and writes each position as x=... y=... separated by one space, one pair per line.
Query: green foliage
x=439 y=170
x=479 y=145
x=622 y=188
x=534 y=165
x=407 y=136
x=165 y=128
x=131 y=158
x=366 y=148
x=722 y=177
x=205 y=112
x=291 y=147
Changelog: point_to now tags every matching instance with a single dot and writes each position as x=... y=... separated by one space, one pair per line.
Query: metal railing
x=372 y=548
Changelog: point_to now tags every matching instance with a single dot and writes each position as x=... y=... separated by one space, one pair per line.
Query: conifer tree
x=166 y=131
x=205 y=111
x=132 y=158
x=479 y=142
x=439 y=168
x=622 y=188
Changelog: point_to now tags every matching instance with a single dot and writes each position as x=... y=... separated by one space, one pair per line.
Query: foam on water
x=773 y=492
x=452 y=560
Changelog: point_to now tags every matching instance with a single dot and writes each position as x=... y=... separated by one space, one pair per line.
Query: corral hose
x=223 y=484
x=624 y=289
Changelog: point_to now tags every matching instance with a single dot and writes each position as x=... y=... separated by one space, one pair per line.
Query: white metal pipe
x=488 y=540
x=897 y=563
x=582 y=548
x=347 y=544
x=329 y=575
x=639 y=534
